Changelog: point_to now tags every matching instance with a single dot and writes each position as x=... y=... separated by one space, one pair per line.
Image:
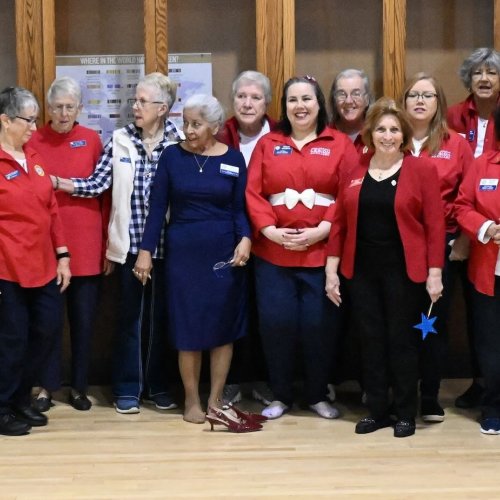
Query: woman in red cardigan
x=478 y=211
x=388 y=237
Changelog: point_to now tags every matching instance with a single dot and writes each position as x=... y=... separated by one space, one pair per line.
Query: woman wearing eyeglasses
x=34 y=263
x=129 y=163
x=73 y=150
x=292 y=185
x=473 y=118
x=425 y=101
x=349 y=99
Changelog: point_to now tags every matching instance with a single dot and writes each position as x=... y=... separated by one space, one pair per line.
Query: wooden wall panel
x=394 y=40
x=35 y=47
x=275 y=45
x=496 y=24
x=155 y=36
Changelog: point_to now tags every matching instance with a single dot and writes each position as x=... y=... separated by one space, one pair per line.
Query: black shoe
x=471 y=397
x=370 y=424
x=31 y=416
x=42 y=404
x=404 y=428
x=80 y=402
x=431 y=411
x=11 y=426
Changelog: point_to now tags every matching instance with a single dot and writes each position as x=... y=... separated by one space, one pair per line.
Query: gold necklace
x=198 y=163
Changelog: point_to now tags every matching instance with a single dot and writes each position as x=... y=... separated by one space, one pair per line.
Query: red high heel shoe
x=246 y=415
x=216 y=416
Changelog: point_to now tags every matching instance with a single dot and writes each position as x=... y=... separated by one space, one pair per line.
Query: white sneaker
x=325 y=410
x=275 y=410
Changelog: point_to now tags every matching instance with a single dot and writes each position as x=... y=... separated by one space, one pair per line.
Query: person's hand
x=332 y=288
x=143 y=266
x=434 y=284
x=108 y=267
x=242 y=252
x=63 y=273
x=493 y=232
x=460 y=248
x=297 y=240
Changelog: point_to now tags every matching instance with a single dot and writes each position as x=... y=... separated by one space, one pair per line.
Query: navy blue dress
x=207 y=221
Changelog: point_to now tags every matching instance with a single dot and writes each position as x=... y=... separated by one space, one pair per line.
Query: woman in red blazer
x=388 y=237
x=478 y=211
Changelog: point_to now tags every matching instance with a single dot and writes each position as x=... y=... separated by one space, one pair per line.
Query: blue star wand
x=426 y=323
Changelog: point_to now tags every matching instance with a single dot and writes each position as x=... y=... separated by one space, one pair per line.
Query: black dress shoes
x=31 y=416
x=42 y=404
x=11 y=426
x=404 y=427
x=80 y=402
x=369 y=424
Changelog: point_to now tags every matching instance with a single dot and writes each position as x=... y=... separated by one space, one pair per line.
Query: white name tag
x=488 y=184
x=229 y=170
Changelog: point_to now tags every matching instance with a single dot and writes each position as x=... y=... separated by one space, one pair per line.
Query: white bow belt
x=308 y=197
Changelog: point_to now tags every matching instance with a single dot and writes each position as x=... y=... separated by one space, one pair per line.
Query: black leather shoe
x=31 y=416
x=11 y=426
x=370 y=424
x=42 y=404
x=80 y=402
x=404 y=428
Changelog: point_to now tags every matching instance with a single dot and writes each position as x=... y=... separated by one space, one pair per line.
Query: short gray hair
x=64 y=86
x=348 y=73
x=210 y=108
x=14 y=99
x=479 y=57
x=165 y=87
x=256 y=78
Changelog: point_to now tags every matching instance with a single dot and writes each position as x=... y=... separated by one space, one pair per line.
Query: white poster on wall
x=108 y=81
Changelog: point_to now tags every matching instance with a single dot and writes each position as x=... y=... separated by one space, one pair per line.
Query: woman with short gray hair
x=473 y=118
x=202 y=182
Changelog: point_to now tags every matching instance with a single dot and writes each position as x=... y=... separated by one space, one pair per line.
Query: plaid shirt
x=145 y=170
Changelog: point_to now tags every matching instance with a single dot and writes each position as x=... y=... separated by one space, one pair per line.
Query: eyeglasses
x=140 y=103
x=220 y=268
x=341 y=95
x=426 y=96
x=31 y=121
x=59 y=108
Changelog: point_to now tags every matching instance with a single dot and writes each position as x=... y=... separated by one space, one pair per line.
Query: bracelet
x=63 y=255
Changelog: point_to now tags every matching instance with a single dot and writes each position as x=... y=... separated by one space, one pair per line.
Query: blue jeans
x=486 y=311
x=30 y=321
x=140 y=348
x=294 y=311
x=81 y=303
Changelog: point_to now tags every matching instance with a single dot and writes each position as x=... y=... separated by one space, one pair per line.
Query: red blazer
x=419 y=216
x=462 y=118
x=474 y=206
x=229 y=134
x=358 y=142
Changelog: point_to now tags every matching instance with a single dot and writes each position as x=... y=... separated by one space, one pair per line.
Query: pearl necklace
x=198 y=163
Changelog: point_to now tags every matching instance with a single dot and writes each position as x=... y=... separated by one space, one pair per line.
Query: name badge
x=282 y=150
x=471 y=135
x=12 y=175
x=125 y=159
x=78 y=144
x=488 y=184
x=229 y=170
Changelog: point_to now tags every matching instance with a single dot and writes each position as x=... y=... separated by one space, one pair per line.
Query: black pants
x=386 y=305
x=487 y=336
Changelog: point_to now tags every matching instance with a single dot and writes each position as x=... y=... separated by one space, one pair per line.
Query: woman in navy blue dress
x=202 y=181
